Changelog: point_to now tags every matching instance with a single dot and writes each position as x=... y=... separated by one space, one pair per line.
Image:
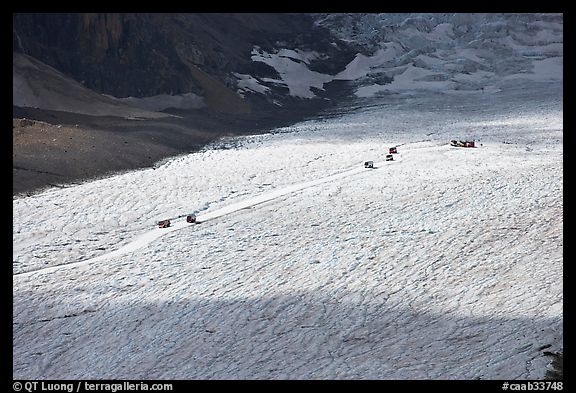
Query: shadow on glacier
x=306 y=335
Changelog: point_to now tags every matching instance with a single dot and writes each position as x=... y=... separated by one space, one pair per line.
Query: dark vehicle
x=164 y=224
x=389 y=157
x=191 y=218
x=456 y=143
x=393 y=150
x=369 y=164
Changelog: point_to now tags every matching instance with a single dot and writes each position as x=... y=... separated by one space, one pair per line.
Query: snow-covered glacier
x=445 y=263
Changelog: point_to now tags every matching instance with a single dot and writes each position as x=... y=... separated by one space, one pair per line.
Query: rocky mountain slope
x=115 y=72
x=146 y=55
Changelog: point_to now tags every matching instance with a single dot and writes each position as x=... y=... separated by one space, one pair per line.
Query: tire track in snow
x=152 y=235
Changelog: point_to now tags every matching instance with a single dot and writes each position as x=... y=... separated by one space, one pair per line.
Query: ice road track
x=154 y=234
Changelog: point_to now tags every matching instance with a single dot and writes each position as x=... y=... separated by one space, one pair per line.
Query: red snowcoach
x=393 y=150
x=456 y=143
x=164 y=224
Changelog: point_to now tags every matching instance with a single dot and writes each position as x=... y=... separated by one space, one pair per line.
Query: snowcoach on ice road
x=456 y=143
x=393 y=150
x=389 y=157
x=190 y=218
x=369 y=164
x=164 y=224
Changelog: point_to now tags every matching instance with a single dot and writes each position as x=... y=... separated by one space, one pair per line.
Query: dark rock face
x=149 y=54
x=144 y=55
x=117 y=54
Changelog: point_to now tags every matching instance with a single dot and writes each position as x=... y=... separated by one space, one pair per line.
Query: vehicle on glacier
x=456 y=143
x=164 y=224
x=190 y=218
x=369 y=164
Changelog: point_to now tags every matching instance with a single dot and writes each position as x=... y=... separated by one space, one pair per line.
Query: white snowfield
x=445 y=263
x=293 y=70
